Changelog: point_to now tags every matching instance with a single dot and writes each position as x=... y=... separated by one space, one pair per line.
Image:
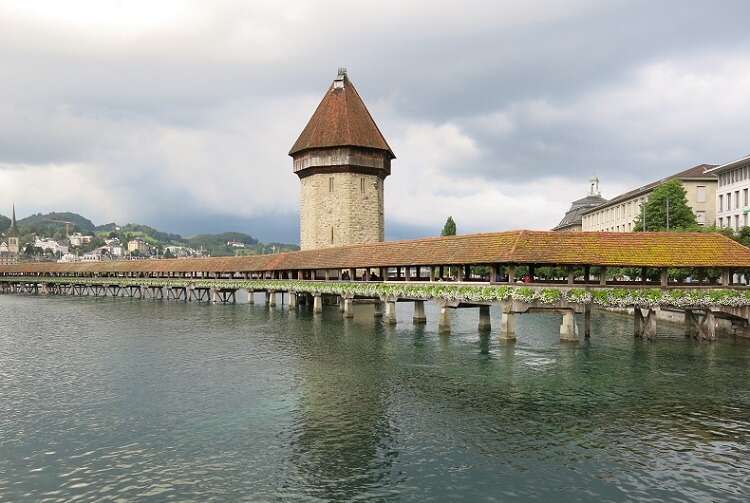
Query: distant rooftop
x=698 y=172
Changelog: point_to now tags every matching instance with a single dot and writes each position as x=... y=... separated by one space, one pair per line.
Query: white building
x=50 y=245
x=236 y=244
x=732 y=205
x=78 y=239
x=619 y=213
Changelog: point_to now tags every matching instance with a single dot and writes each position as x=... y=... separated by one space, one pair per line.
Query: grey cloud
x=199 y=115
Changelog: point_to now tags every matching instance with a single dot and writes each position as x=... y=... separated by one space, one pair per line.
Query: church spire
x=13 y=231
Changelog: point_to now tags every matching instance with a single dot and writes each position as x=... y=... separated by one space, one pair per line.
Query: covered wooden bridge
x=576 y=265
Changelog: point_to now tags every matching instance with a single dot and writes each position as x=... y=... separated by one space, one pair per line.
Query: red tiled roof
x=341 y=120
x=626 y=249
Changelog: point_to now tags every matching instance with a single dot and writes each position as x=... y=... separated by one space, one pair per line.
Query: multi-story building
x=78 y=239
x=138 y=245
x=732 y=204
x=572 y=221
x=619 y=213
x=50 y=245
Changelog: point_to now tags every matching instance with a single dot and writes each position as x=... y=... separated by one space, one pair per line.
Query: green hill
x=54 y=225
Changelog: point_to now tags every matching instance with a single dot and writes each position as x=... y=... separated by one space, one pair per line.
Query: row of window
x=734 y=176
x=700 y=217
x=618 y=212
x=728 y=221
x=728 y=200
x=362 y=182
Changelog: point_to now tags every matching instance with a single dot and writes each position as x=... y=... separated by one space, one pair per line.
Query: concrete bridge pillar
x=348 y=308
x=213 y=295
x=292 y=300
x=644 y=326
x=508 y=323
x=378 y=309
x=419 y=316
x=390 y=312
x=485 y=325
x=250 y=296
x=692 y=325
x=317 y=303
x=444 y=323
x=568 y=328
x=341 y=301
x=708 y=327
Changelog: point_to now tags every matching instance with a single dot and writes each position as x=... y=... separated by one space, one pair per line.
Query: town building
x=619 y=213
x=138 y=246
x=78 y=239
x=50 y=245
x=572 y=221
x=342 y=161
x=732 y=204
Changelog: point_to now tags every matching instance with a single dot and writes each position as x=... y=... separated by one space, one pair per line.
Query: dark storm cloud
x=180 y=114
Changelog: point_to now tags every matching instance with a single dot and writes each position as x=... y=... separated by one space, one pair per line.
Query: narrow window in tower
x=332 y=229
x=362 y=185
x=330 y=184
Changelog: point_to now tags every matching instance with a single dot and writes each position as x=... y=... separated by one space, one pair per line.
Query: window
x=721 y=203
x=332 y=229
x=721 y=222
x=700 y=194
x=744 y=196
x=737 y=222
x=745 y=220
x=729 y=200
x=362 y=185
x=330 y=189
x=700 y=217
x=736 y=199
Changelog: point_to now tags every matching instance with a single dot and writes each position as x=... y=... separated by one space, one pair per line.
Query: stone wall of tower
x=341 y=208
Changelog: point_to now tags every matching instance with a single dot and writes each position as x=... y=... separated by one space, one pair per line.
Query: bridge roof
x=630 y=249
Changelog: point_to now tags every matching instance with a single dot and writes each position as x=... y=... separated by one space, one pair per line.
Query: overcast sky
x=180 y=114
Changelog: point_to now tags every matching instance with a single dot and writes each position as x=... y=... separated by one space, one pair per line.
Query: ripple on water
x=124 y=400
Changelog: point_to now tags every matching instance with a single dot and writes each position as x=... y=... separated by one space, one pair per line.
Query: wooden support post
x=441 y=272
x=467 y=272
x=587 y=274
x=643 y=275
x=367 y=274
x=587 y=320
x=432 y=273
x=495 y=273
x=485 y=325
x=511 y=274
x=300 y=274
x=383 y=272
x=571 y=275
x=407 y=273
x=419 y=316
x=725 y=277
x=664 y=278
x=352 y=274
x=603 y=276
x=461 y=271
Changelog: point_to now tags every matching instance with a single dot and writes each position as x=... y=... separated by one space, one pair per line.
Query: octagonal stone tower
x=342 y=160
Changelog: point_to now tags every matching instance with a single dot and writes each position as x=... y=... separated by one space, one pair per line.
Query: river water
x=107 y=399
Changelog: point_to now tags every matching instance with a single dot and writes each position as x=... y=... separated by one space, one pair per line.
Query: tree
x=666 y=209
x=449 y=229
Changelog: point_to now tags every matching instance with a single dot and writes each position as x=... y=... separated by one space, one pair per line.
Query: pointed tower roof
x=341 y=120
x=13 y=230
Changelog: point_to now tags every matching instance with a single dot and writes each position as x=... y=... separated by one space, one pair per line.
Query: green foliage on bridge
x=605 y=297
